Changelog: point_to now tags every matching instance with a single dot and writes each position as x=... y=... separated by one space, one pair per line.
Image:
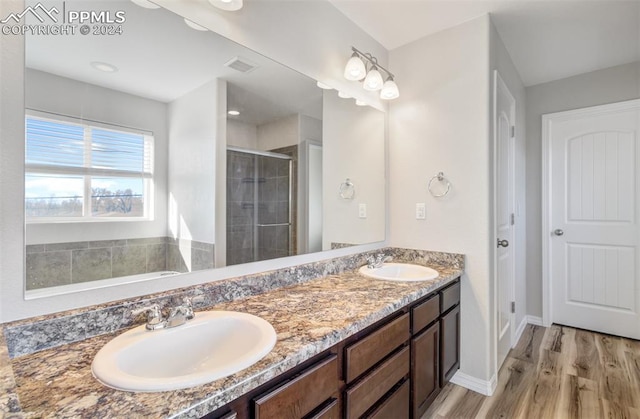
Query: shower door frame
x=256 y=225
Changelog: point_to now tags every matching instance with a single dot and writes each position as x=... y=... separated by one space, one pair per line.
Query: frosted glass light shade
x=355 y=69
x=389 y=90
x=373 y=81
x=228 y=5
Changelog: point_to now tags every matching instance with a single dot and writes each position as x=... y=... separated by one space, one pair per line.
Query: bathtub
x=102 y=283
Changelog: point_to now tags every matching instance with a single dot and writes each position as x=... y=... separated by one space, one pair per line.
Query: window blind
x=64 y=147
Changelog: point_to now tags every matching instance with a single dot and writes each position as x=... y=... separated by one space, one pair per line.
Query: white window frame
x=87 y=172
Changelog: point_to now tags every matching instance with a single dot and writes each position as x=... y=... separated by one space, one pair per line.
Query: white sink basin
x=400 y=272
x=213 y=345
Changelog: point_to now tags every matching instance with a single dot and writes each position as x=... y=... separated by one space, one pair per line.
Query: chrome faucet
x=178 y=315
x=375 y=262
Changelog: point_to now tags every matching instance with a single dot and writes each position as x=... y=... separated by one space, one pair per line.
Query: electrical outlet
x=362 y=211
x=421 y=211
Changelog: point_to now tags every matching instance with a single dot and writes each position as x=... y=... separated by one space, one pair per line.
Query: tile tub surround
x=308 y=317
x=54 y=264
x=35 y=334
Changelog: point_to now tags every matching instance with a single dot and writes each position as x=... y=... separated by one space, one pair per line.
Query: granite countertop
x=308 y=318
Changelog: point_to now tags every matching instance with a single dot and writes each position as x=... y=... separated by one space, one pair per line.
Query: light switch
x=362 y=211
x=421 y=211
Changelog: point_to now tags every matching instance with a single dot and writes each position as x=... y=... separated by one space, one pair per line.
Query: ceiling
x=159 y=57
x=547 y=39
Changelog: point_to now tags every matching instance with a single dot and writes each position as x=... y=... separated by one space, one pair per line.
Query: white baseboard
x=483 y=387
x=534 y=320
x=520 y=329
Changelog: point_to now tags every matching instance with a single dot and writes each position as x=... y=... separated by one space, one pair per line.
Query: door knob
x=503 y=243
x=558 y=232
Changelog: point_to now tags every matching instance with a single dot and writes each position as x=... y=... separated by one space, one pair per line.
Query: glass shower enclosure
x=259 y=205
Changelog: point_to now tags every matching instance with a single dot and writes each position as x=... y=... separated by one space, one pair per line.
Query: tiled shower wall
x=250 y=239
x=54 y=264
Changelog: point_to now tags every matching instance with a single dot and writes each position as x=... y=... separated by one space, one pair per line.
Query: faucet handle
x=187 y=303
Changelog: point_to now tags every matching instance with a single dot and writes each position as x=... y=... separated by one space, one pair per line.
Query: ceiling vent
x=241 y=64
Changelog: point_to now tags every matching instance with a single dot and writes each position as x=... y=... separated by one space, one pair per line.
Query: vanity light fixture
x=228 y=5
x=194 y=25
x=389 y=89
x=356 y=70
x=104 y=67
x=373 y=81
x=234 y=113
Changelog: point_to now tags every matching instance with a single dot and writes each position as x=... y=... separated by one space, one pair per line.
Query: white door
x=504 y=129
x=592 y=230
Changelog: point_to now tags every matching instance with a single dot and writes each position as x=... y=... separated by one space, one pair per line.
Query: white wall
x=282 y=132
x=63 y=96
x=192 y=169
x=440 y=122
x=310 y=129
x=310 y=185
x=501 y=61
x=600 y=87
x=241 y=134
x=353 y=147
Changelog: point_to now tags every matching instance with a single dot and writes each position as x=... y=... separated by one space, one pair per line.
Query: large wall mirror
x=128 y=127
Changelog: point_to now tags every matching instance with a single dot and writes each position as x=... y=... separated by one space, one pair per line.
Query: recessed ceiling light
x=234 y=113
x=146 y=4
x=194 y=25
x=344 y=95
x=104 y=67
x=360 y=103
x=323 y=86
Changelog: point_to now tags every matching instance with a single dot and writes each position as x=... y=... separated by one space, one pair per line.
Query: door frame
x=547 y=125
x=497 y=80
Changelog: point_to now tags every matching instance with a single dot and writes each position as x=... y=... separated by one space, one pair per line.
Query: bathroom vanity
x=347 y=346
x=392 y=369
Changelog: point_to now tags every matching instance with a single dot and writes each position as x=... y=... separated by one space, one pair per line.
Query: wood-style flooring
x=557 y=372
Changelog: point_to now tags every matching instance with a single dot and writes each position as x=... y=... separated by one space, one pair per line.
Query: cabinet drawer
x=330 y=411
x=425 y=313
x=450 y=297
x=396 y=406
x=365 y=353
x=376 y=384
x=302 y=394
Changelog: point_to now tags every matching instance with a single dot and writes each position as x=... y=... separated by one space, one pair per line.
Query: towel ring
x=347 y=189
x=440 y=178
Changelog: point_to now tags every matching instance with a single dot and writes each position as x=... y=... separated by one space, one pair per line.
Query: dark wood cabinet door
x=425 y=369
x=449 y=345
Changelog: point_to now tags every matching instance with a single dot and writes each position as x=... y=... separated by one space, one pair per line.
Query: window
x=81 y=172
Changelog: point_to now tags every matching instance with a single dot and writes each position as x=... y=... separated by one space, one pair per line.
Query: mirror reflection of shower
x=260 y=204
